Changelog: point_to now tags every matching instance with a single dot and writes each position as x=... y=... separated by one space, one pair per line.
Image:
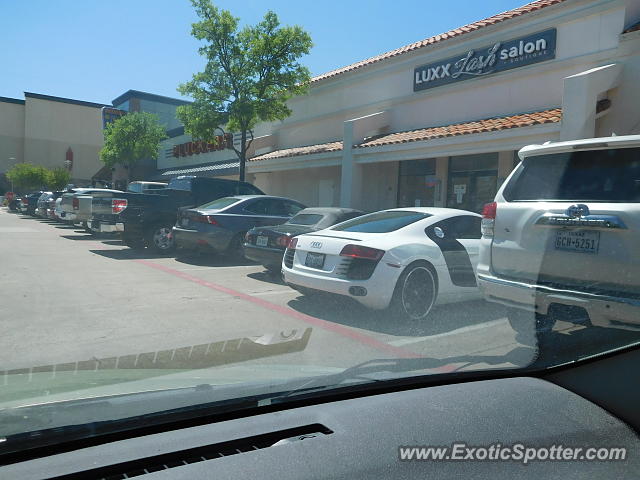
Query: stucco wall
x=52 y=127
x=624 y=115
x=303 y=185
x=11 y=134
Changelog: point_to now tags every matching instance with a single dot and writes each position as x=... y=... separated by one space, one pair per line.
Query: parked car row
x=561 y=239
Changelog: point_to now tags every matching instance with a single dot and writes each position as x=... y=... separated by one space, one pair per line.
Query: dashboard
x=594 y=404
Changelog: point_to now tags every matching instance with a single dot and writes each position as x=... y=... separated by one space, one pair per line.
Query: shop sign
x=484 y=61
x=222 y=142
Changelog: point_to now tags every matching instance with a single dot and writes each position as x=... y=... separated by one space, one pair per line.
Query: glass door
x=416 y=183
x=471 y=190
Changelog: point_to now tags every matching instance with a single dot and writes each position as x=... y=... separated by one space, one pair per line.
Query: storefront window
x=417 y=183
x=473 y=181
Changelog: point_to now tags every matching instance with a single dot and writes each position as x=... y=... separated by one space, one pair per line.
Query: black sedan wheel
x=235 y=249
x=160 y=239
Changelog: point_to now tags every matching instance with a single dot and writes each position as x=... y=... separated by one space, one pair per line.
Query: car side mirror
x=438 y=232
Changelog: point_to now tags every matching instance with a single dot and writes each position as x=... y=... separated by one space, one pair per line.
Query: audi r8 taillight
x=358 y=251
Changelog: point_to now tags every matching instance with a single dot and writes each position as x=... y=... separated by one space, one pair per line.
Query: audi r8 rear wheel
x=415 y=292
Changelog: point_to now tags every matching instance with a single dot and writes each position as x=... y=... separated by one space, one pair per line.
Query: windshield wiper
x=368 y=372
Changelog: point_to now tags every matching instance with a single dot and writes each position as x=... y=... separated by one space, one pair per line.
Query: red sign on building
x=222 y=142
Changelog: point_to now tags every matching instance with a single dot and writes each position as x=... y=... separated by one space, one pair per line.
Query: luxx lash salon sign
x=485 y=61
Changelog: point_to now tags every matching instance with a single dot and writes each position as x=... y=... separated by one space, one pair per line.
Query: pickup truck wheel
x=87 y=228
x=135 y=242
x=160 y=239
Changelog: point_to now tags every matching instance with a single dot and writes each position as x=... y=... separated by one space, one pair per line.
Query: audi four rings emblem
x=577 y=211
x=315 y=244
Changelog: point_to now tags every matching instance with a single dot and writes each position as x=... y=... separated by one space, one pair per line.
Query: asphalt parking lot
x=69 y=297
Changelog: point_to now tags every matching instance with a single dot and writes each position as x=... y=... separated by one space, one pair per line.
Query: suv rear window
x=596 y=175
x=382 y=222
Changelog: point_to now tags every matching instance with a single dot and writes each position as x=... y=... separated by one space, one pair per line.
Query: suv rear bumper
x=603 y=310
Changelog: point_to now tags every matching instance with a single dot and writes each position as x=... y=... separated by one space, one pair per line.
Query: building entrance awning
x=227 y=167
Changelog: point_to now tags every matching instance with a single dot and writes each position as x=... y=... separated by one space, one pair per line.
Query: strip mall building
x=437 y=122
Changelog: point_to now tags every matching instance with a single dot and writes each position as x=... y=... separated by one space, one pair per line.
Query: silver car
x=562 y=239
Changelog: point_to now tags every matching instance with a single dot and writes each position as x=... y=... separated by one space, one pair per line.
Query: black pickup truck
x=146 y=219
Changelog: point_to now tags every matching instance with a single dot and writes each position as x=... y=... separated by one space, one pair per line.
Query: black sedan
x=222 y=224
x=266 y=245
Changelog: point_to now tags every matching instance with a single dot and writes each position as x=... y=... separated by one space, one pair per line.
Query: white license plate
x=185 y=222
x=583 y=241
x=314 y=260
x=262 y=241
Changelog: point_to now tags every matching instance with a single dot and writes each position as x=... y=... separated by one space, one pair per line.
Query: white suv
x=562 y=238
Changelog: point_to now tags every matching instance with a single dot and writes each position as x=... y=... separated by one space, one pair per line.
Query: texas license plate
x=185 y=222
x=314 y=260
x=583 y=241
x=262 y=241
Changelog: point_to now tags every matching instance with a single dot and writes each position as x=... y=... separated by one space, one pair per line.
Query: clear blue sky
x=95 y=50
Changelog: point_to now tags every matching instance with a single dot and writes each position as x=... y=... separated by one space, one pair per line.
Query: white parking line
x=470 y=328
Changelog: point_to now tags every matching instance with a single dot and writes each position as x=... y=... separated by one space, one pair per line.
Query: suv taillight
x=489 y=212
x=76 y=203
x=118 y=205
x=293 y=243
x=357 y=251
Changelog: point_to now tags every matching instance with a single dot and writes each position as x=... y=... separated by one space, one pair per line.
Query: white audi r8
x=407 y=259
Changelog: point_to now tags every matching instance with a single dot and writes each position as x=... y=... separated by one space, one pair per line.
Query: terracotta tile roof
x=471 y=27
x=553 y=115
x=297 y=151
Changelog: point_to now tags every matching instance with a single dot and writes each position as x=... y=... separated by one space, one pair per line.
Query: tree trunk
x=243 y=154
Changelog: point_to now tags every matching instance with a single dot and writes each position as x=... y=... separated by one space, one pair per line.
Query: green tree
x=132 y=138
x=27 y=176
x=57 y=178
x=250 y=74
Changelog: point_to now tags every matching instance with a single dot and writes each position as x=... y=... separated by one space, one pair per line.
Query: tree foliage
x=131 y=138
x=250 y=74
x=32 y=177
x=57 y=178
x=27 y=176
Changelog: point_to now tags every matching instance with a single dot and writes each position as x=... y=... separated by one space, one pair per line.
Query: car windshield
x=305 y=219
x=219 y=204
x=383 y=222
x=208 y=159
